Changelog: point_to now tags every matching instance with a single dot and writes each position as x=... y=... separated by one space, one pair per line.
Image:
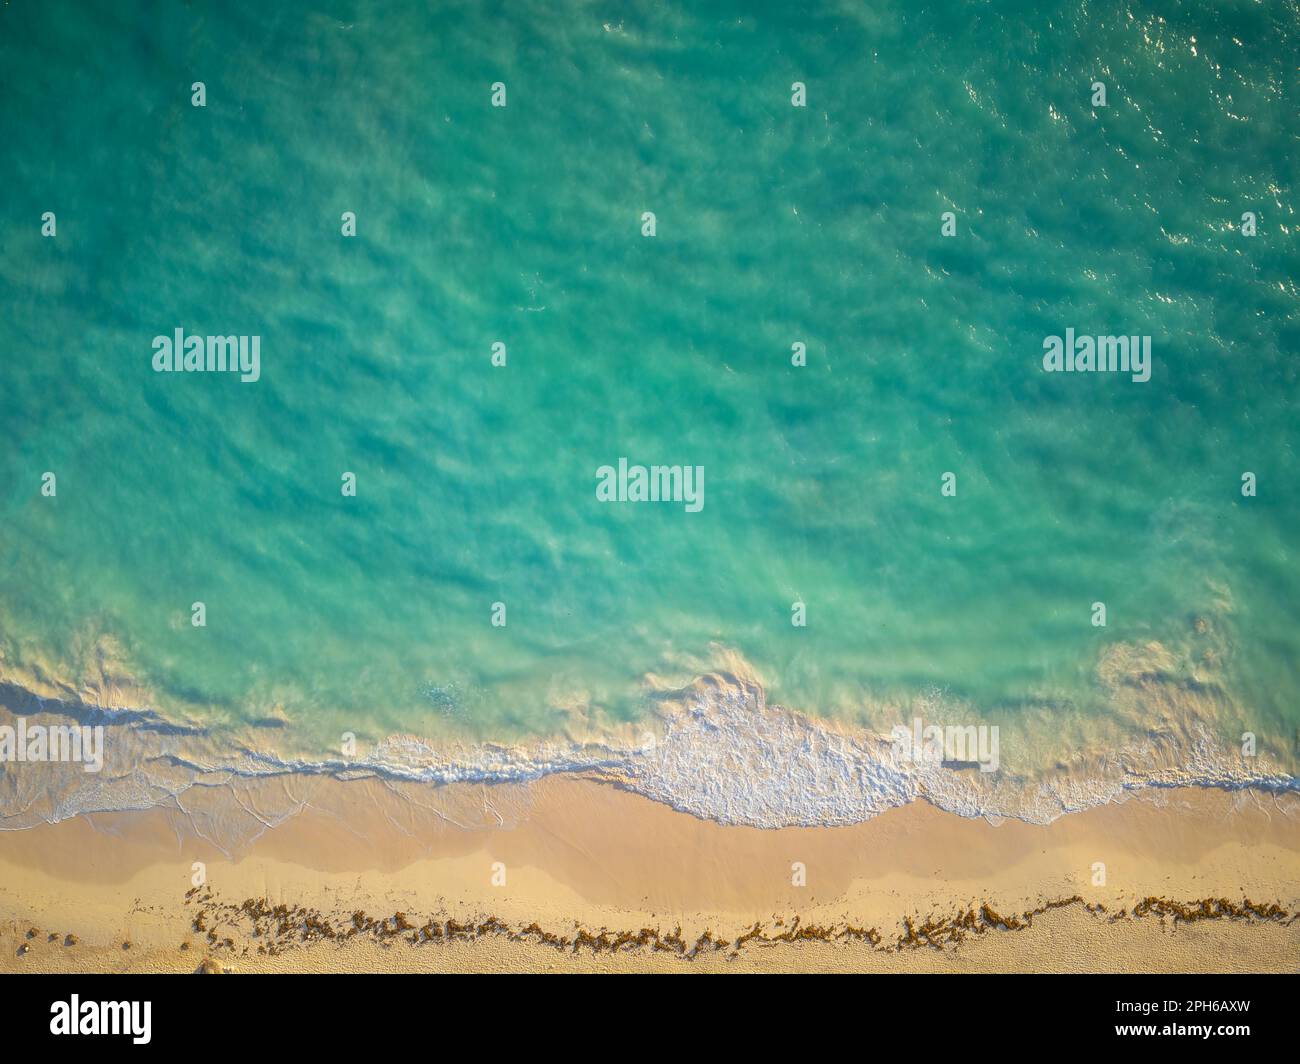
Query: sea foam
x=720 y=752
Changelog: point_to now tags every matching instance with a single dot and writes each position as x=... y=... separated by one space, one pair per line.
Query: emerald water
x=523 y=225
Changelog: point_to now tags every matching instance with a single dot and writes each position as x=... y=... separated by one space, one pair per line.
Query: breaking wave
x=718 y=751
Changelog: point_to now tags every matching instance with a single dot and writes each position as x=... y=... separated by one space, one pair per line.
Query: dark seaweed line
x=281 y=927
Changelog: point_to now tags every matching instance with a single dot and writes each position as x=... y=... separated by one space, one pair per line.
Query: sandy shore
x=574 y=875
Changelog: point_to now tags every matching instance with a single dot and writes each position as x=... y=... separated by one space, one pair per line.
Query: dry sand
x=600 y=879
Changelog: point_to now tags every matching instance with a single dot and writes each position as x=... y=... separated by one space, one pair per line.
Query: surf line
x=23 y=742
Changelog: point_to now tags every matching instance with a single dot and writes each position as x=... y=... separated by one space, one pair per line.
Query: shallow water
x=774 y=225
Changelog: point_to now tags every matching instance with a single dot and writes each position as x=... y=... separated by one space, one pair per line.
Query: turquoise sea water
x=523 y=225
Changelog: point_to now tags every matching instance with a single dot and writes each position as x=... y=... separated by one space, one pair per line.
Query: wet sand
x=572 y=874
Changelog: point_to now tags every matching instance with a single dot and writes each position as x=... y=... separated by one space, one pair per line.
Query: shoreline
x=578 y=875
x=717 y=750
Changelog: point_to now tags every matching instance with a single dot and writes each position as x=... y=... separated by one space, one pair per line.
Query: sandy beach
x=569 y=874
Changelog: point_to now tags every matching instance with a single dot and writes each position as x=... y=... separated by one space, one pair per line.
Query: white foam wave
x=720 y=753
